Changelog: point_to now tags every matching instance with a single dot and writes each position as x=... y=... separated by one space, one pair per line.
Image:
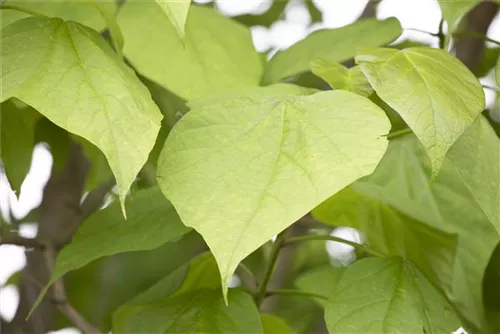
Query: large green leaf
x=392 y=233
x=340 y=77
x=454 y=10
x=152 y=222
x=264 y=164
x=70 y=74
x=17 y=140
x=216 y=54
x=189 y=301
x=177 y=12
x=83 y=12
x=272 y=324
x=402 y=182
x=480 y=174
x=106 y=232
x=335 y=44
x=388 y=295
x=437 y=96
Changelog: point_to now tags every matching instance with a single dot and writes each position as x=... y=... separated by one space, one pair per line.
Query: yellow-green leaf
x=177 y=12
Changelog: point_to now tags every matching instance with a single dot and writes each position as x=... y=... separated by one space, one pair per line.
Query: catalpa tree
x=227 y=169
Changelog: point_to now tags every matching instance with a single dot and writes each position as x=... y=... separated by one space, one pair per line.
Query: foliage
x=215 y=151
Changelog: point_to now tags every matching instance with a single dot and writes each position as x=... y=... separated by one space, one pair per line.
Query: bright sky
x=421 y=14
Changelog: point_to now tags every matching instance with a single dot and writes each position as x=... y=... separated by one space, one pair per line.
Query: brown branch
x=95 y=199
x=477 y=21
x=14 y=239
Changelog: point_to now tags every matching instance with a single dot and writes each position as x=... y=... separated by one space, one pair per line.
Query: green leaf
x=252 y=95
x=392 y=233
x=216 y=54
x=79 y=11
x=17 y=140
x=177 y=12
x=401 y=182
x=334 y=44
x=491 y=291
x=264 y=164
x=479 y=167
x=152 y=221
x=454 y=10
x=70 y=74
x=322 y=281
x=189 y=301
x=388 y=295
x=272 y=324
x=340 y=77
x=437 y=96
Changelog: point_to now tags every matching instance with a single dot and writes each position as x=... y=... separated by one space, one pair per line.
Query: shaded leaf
x=335 y=44
x=388 y=295
x=177 y=12
x=491 y=291
x=340 y=77
x=264 y=164
x=454 y=10
x=497 y=71
x=272 y=324
x=189 y=301
x=79 y=11
x=437 y=96
x=70 y=74
x=322 y=281
x=17 y=140
x=216 y=55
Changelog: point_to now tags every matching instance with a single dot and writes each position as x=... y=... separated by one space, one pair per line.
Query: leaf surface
x=189 y=301
x=177 y=12
x=436 y=95
x=453 y=11
x=69 y=73
x=388 y=295
x=335 y=44
x=272 y=324
x=216 y=55
x=264 y=164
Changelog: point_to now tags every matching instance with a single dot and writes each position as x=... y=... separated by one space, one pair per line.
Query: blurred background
x=274 y=26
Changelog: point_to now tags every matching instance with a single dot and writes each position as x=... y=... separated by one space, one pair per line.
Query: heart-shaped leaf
x=241 y=171
x=177 y=12
x=436 y=95
x=216 y=55
x=70 y=74
x=388 y=295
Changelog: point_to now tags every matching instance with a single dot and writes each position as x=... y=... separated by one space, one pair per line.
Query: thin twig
x=291 y=292
x=247 y=277
x=495 y=89
x=14 y=239
x=270 y=267
x=471 y=34
x=60 y=300
x=332 y=238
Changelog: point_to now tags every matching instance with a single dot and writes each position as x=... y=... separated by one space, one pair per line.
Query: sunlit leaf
x=17 y=140
x=335 y=44
x=264 y=164
x=437 y=96
x=70 y=74
x=216 y=55
x=177 y=12
x=388 y=295
x=83 y=12
x=189 y=301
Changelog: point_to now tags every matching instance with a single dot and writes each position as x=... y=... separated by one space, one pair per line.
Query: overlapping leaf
x=216 y=54
x=264 y=164
x=70 y=74
x=17 y=140
x=447 y=204
x=437 y=96
x=177 y=12
x=388 y=295
x=189 y=301
x=335 y=44
x=272 y=324
x=454 y=10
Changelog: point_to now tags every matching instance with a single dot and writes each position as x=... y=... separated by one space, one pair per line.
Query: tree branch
x=14 y=239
